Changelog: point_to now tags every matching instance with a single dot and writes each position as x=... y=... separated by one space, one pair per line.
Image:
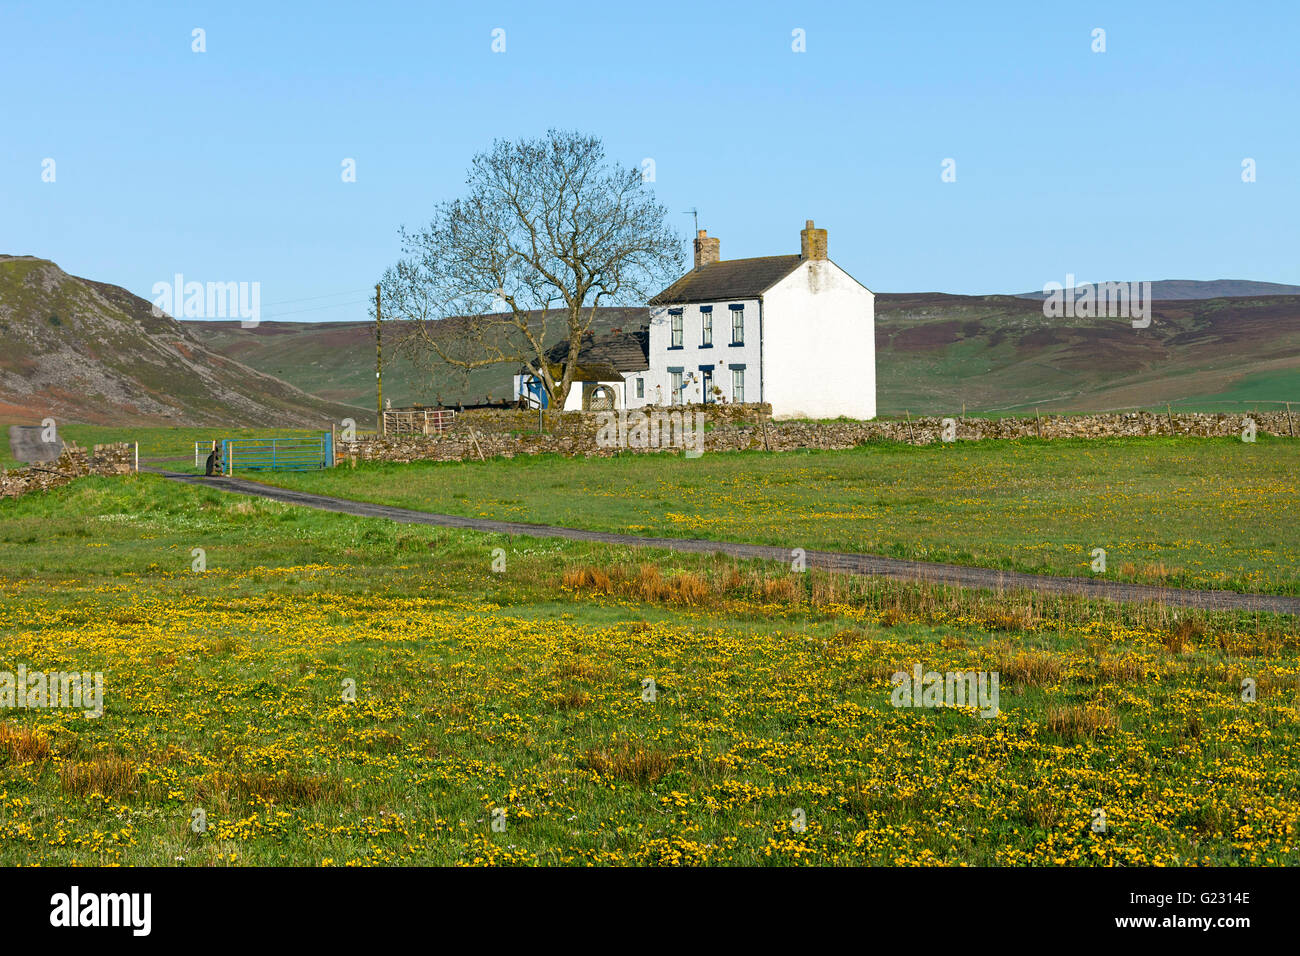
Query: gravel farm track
x=896 y=568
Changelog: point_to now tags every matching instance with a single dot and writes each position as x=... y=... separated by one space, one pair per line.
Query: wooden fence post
x=910 y=437
x=1290 y=428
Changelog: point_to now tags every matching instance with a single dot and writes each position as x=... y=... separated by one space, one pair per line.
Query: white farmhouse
x=795 y=331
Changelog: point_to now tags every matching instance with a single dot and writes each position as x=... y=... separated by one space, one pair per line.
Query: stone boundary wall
x=114 y=459
x=525 y=420
x=491 y=433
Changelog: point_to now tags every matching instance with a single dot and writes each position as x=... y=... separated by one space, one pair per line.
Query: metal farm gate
x=278 y=454
x=417 y=421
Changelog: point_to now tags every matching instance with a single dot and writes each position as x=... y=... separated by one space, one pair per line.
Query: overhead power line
x=319 y=308
x=328 y=295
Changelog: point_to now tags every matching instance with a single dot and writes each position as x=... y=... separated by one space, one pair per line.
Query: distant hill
x=84 y=351
x=1001 y=354
x=1205 y=289
x=934 y=353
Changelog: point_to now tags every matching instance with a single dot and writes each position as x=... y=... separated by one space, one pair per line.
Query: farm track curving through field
x=989 y=579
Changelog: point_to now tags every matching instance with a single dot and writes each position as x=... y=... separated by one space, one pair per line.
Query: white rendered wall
x=722 y=355
x=819 y=348
x=573 y=401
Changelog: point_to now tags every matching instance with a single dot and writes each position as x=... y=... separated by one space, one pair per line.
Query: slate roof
x=621 y=351
x=728 y=279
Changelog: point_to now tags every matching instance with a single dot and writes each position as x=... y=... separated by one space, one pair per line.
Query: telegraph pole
x=379 y=363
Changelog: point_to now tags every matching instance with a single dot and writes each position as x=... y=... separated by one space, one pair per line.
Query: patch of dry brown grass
x=23 y=743
x=690 y=589
x=1034 y=668
x=283 y=787
x=1182 y=638
x=1125 y=670
x=587 y=578
x=1156 y=572
x=108 y=775
x=583 y=669
x=780 y=590
x=687 y=588
x=1009 y=618
x=649 y=584
x=1081 y=722
x=719 y=583
x=731 y=578
x=628 y=762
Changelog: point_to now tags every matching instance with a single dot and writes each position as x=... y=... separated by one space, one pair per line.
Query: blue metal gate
x=278 y=454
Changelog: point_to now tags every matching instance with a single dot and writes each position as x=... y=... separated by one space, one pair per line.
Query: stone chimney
x=812 y=242
x=706 y=249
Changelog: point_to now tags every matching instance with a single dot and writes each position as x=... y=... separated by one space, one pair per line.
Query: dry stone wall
x=114 y=459
x=507 y=433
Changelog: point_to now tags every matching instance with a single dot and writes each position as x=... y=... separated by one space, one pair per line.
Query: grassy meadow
x=1181 y=512
x=504 y=717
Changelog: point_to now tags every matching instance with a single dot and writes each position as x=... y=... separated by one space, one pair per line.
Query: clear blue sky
x=225 y=165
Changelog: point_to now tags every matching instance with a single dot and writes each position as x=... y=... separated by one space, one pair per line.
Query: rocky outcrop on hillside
x=81 y=351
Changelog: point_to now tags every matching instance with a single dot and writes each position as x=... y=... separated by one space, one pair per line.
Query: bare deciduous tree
x=547 y=232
